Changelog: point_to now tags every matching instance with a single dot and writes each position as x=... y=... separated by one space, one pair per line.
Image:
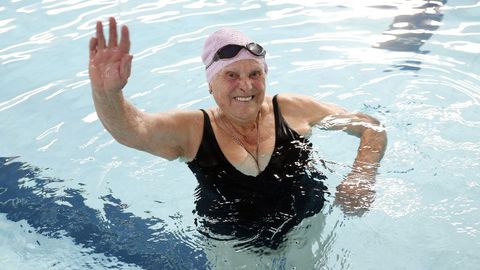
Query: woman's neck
x=243 y=126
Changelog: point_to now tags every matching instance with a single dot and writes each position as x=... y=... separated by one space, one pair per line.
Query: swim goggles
x=231 y=50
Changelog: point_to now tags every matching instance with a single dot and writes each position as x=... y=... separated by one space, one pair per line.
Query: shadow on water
x=122 y=235
x=409 y=32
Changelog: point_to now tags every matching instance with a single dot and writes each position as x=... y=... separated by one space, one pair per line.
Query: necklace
x=239 y=141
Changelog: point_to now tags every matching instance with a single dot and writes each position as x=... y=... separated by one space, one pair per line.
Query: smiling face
x=239 y=89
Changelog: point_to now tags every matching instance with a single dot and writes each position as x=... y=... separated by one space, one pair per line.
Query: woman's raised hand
x=110 y=64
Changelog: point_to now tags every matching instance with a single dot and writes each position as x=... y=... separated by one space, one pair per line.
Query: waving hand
x=110 y=64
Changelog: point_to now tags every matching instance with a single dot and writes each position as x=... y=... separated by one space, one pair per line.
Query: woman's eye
x=255 y=74
x=231 y=75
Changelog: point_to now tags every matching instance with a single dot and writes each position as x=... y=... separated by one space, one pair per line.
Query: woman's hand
x=110 y=64
x=355 y=194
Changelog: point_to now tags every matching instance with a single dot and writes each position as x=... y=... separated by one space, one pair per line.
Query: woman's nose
x=245 y=84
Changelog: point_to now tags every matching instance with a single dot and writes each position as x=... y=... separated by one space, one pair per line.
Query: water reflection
x=409 y=32
x=26 y=195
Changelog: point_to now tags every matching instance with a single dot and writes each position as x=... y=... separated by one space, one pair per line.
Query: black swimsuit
x=263 y=207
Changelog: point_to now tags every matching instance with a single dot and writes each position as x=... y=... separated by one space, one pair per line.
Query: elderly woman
x=250 y=153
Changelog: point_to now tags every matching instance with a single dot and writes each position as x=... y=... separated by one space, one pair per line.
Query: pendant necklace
x=239 y=141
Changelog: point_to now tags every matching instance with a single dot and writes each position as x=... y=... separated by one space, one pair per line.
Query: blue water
x=72 y=198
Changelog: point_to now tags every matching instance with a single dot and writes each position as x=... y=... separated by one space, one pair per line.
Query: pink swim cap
x=220 y=38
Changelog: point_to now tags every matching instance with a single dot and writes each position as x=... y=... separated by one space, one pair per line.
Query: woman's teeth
x=244 y=98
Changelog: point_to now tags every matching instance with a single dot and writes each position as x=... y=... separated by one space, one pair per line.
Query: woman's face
x=239 y=89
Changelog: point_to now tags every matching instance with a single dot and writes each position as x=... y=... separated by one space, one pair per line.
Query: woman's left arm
x=355 y=193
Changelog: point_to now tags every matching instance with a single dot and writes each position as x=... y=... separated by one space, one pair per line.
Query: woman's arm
x=168 y=135
x=355 y=193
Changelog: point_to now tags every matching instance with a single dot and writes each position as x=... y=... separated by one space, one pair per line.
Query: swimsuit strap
x=208 y=152
x=282 y=129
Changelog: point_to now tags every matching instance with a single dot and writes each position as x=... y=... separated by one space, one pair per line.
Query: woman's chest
x=248 y=158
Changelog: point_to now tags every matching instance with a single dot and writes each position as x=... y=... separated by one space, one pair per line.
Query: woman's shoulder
x=297 y=108
x=292 y=104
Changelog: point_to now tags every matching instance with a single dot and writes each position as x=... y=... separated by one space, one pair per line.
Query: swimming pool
x=72 y=198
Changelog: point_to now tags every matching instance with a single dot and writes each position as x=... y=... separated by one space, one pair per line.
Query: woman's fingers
x=100 y=36
x=112 y=39
x=100 y=41
x=115 y=52
x=93 y=47
x=125 y=40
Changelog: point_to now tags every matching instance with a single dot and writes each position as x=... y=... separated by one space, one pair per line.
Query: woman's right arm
x=166 y=134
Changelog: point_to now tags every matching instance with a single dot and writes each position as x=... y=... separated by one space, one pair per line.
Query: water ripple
x=25 y=96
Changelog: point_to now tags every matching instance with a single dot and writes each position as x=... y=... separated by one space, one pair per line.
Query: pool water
x=73 y=198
